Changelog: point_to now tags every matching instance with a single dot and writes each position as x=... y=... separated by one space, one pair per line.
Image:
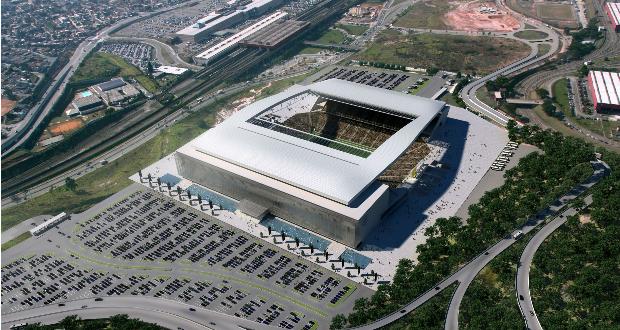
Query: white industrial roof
x=606 y=86
x=311 y=167
x=614 y=9
x=214 y=18
x=237 y=37
x=171 y=69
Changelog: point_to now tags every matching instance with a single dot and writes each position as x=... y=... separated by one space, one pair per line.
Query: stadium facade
x=325 y=157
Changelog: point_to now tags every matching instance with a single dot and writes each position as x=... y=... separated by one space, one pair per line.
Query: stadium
x=329 y=157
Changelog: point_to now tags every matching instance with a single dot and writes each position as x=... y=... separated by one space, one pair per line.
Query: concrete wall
x=300 y=212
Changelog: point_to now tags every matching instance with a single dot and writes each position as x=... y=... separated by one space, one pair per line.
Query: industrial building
x=275 y=34
x=233 y=41
x=613 y=11
x=115 y=91
x=85 y=104
x=225 y=18
x=316 y=155
x=605 y=90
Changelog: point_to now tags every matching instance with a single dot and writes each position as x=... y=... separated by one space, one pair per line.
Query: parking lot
x=148 y=245
x=138 y=54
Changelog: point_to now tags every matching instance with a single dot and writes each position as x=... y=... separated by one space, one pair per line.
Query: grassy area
x=562 y=12
x=558 y=126
x=100 y=65
x=531 y=34
x=310 y=50
x=102 y=183
x=449 y=98
x=420 y=87
x=353 y=29
x=560 y=94
x=476 y=54
x=543 y=49
x=602 y=127
x=484 y=96
x=425 y=14
x=332 y=37
x=16 y=241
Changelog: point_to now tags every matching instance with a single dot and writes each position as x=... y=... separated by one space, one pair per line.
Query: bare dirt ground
x=7 y=105
x=66 y=126
x=480 y=16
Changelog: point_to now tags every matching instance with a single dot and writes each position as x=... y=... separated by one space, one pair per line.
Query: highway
x=468 y=272
x=126 y=147
x=167 y=313
x=525 y=263
x=22 y=132
x=468 y=93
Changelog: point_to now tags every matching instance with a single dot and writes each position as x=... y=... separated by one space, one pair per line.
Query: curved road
x=167 y=313
x=465 y=274
x=600 y=170
x=468 y=93
x=523 y=272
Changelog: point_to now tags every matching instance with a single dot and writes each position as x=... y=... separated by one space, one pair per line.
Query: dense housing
x=322 y=156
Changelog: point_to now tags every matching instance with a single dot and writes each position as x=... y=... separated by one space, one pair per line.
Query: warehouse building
x=604 y=90
x=315 y=155
x=116 y=92
x=225 y=18
x=230 y=43
x=613 y=11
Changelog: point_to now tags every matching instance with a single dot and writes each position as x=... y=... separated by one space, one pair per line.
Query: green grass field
x=332 y=37
x=425 y=15
x=476 y=54
x=543 y=49
x=531 y=35
x=561 y=12
x=353 y=29
x=16 y=241
x=99 y=65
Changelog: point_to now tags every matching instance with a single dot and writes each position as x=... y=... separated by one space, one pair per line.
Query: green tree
x=70 y=184
x=338 y=322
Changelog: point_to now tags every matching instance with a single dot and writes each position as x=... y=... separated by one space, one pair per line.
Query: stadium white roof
x=606 y=87
x=311 y=167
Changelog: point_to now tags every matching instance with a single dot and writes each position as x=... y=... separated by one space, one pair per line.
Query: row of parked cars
x=504 y=157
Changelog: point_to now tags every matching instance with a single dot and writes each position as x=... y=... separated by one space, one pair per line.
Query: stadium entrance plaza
x=462 y=150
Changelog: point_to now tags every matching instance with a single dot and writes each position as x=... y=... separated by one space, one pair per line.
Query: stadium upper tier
x=320 y=158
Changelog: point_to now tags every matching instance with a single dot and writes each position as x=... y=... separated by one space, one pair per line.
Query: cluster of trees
x=116 y=322
x=506 y=86
x=583 y=40
x=575 y=280
x=537 y=181
x=548 y=107
x=383 y=65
